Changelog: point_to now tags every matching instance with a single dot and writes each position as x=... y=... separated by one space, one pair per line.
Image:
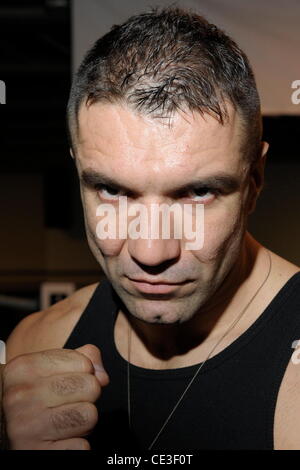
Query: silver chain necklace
x=198 y=369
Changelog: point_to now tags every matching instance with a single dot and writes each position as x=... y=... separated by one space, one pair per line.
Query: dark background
x=42 y=237
x=35 y=64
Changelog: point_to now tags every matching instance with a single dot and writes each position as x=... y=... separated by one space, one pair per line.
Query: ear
x=256 y=176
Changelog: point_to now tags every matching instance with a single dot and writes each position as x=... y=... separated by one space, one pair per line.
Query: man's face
x=150 y=161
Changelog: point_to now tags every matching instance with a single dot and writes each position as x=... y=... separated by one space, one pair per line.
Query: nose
x=153 y=252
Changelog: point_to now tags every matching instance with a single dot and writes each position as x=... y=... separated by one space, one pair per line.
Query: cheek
x=107 y=247
x=110 y=247
x=223 y=230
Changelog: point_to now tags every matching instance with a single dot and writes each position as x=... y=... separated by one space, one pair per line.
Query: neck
x=163 y=342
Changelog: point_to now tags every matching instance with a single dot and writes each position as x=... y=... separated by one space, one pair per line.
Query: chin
x=162 y=319
x=160 y=312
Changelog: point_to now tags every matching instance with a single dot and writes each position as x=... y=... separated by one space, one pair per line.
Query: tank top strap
x=96 y=320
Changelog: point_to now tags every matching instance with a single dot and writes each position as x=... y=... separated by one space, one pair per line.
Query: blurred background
x=42 y=42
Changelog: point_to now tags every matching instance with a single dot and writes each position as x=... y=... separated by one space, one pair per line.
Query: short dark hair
x=165 y=60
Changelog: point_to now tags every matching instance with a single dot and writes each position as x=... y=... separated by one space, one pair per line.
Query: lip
x=155 y=287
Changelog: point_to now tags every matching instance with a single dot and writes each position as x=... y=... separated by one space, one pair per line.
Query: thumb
x=93 y=353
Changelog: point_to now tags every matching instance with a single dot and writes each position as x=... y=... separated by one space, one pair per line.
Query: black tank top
x=230 y=405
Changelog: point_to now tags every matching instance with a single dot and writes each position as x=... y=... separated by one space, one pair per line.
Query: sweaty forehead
x=115 y=131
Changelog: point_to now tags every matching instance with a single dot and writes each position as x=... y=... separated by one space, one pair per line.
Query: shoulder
x=286 y=426
x=50 y=328
x=282 y=268
x=282 y=271
x=286 y=423
x=287 y=412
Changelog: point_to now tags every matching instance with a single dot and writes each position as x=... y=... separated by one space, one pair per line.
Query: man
x=196 y=343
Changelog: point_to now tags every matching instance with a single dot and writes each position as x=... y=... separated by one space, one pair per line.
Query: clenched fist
x=48 y=398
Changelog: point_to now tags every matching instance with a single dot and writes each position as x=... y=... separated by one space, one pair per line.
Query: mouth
x=156 y=287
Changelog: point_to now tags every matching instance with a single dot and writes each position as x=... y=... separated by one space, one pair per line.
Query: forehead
x=115 y=137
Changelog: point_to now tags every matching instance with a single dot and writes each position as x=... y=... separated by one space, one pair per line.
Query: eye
x=203 y=194
x=108 y=192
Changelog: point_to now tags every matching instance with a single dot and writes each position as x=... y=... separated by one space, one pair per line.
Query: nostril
x=155 y=258
x=158 y=269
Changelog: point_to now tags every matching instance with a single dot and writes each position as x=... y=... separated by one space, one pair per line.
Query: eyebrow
x=221 y=181
x=93 y=179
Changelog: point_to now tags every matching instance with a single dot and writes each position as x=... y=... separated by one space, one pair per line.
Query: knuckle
x=86 y=384
x=67 y=384
x=55 y=357
x=92 y=349
x=82 y=416
x=14 y=366
x=76 y=360
x=15 y=394
x=84 y=362
x=67 y=419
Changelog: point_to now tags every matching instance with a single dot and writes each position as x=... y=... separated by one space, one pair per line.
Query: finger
x=69 y=421
x=53 y=391
x=94 y=354
x=69 y=444
x=69 y=388
x=65 y=444
x=27 y=367
x=53 y=424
